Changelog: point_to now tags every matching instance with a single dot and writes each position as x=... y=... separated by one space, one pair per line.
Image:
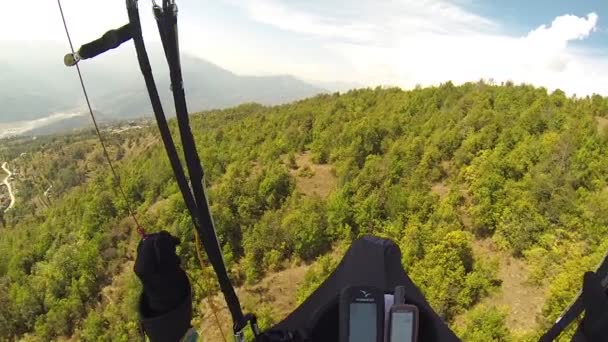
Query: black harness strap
x=195 y=197
x=167 y=25
x=576 y=308
x=146 y=69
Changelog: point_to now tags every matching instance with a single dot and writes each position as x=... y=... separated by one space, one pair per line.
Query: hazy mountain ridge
x=116 y=87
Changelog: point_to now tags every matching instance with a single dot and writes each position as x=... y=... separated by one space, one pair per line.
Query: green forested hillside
x=471 y=181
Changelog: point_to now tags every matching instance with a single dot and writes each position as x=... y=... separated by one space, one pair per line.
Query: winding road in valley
x=8 y=185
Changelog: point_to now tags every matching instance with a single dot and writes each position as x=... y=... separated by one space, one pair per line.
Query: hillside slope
x=443 y=171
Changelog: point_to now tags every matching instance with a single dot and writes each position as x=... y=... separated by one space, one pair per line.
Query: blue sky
x=552 y=43
x=519 y=16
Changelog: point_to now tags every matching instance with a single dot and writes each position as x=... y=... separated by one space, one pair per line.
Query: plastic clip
x=239 y=335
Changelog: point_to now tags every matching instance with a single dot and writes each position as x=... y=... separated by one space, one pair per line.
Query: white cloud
x=284 y=17
x=364 y=20
x=563 y=29
x=396 y=42
x=427 y=42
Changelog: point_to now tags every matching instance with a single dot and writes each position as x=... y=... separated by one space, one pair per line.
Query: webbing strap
x=146 y=69
x=195 y=197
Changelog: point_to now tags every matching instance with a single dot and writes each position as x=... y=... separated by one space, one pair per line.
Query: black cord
x=140 y=229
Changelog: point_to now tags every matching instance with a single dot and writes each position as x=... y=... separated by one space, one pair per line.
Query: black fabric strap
x=146 y=69
x=195 y=197
x=167 y=24
x=575 y=310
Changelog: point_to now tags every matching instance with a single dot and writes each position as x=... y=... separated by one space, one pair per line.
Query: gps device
x=402 y=320
x=361 y=314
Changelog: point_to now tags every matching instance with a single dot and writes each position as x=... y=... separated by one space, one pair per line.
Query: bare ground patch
x=321 y=180
x=277 y=291
x=525 y=301
x=440 y=189
x=602 y=124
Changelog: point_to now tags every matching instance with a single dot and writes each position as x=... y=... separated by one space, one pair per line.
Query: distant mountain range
x=207 y=86
x=34 y=84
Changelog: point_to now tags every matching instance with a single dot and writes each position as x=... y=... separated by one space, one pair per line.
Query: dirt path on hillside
x=525 y=301
x=277 y=292
x=8 y=186
x=602 y=124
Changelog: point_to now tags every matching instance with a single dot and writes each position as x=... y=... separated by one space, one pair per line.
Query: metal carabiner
x=239 y=336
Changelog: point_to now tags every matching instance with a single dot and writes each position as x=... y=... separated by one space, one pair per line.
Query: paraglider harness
x=369 y=262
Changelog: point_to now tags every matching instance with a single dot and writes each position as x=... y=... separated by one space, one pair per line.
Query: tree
x=276 y=185
x=447 y=275
x=485 y=323
x=308 y=226
x=520 y=224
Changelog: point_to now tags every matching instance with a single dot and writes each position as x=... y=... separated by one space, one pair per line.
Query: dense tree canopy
x=435 y=169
